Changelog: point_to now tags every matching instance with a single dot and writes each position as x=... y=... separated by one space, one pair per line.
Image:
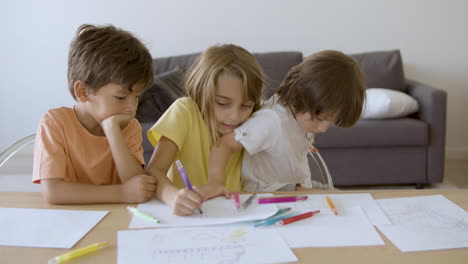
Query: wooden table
x=118 y=219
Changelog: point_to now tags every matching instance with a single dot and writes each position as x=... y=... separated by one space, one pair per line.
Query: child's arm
x=125 y=162
x=182 y=201
x=219 y=158
x=137 y=189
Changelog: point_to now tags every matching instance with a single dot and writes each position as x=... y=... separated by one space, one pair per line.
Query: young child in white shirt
x=326 y=88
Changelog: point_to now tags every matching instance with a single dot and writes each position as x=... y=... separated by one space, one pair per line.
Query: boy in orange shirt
x=91 y=153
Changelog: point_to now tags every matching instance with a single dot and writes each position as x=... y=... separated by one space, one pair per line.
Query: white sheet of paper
x=202 y=245
x=215 y=211
x=47 y=228
x=425 y=223
x=350 y=228
x=341 y=201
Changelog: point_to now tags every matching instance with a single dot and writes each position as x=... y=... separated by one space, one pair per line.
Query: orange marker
x=331 y=205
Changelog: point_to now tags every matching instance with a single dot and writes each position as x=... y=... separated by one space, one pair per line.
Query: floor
x=15 y=176
x=455 y=177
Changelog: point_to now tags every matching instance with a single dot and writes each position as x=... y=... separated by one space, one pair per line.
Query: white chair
x=16 y=164
x=321 y=177
x=17 y=146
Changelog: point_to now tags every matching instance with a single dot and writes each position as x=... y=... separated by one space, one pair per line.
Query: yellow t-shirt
x=183 y=124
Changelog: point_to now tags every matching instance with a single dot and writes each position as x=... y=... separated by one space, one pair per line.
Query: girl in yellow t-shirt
x=224 y=87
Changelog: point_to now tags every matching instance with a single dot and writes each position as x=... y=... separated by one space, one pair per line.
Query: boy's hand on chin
x=120 y=120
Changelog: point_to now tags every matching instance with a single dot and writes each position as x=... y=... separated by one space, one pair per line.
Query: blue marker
x=185 y=178
x=278 y=213
x=273 y=220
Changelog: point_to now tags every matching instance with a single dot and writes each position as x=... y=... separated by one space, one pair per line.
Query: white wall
x=431 y=35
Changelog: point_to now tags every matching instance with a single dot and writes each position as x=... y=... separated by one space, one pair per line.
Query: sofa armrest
x=432 y=110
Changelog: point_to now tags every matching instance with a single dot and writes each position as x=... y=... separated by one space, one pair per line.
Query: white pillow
x=385 y=103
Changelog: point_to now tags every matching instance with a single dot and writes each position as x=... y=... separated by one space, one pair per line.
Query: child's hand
x=313 y=149
x=119 y=120
x=185 y=202
x=211 y=190
x=139 y=189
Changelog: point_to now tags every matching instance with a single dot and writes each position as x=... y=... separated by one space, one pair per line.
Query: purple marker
x=185 y=178
x=281 y=199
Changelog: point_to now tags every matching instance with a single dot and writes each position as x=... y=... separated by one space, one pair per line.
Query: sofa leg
x=419 y=186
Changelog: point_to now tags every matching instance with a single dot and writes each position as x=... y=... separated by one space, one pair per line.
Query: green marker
x=279 y=212
x=282 y=211
x=271 y=221
x=142 y=214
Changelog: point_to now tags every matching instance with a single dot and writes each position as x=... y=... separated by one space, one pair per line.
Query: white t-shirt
x=276 y=150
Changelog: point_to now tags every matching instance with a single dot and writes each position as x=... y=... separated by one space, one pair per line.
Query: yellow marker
x=78 y=253
x=331 y=205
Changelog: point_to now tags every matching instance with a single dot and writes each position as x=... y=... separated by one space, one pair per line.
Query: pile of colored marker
x=283 y=218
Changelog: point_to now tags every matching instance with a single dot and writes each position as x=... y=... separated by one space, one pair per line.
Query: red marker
x=297 y=218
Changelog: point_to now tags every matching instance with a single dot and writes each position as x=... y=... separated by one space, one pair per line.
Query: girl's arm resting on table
x=182 y=201
x=137 y=189
x=219 y=158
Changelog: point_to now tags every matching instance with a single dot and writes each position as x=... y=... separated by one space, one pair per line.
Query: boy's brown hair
x=203 y=75
x=100 y=55
x=328 y=82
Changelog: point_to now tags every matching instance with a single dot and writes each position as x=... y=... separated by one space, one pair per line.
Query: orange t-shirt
x=64 y=149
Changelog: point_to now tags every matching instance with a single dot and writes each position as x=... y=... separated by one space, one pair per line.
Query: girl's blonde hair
x=201 y=80
x=328 y=82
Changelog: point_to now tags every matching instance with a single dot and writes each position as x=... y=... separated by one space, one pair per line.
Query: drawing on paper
x=222 y=254
x=222 y=245
x=425 y=217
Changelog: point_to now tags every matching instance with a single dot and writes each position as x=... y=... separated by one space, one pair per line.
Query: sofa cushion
x=376 y=133
x=164 y=91
x=165 y=64
x=382 y=69
x=385 y=103
x=146 y=144
x=275 y=65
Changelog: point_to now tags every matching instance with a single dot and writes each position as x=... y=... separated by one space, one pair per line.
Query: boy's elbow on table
x=50 y=191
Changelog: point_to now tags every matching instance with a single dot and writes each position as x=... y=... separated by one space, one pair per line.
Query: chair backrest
x=320 y=175
x=16 y=166
x=17 y=146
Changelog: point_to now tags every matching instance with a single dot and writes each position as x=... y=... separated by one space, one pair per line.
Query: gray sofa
x=407 y=150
